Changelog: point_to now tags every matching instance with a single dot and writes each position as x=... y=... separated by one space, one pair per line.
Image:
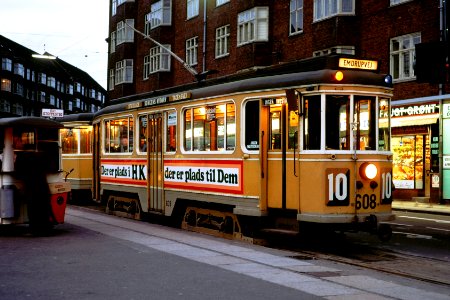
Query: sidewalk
x=432 y=208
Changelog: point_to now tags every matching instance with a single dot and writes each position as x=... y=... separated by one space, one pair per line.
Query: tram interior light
x=368 y=171
x=339 y=76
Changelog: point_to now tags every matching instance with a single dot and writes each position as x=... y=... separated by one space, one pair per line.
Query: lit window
x=6 y=85
x=119 y=135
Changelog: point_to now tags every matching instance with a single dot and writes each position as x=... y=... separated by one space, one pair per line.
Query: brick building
x=32 y=82
x=231 y=39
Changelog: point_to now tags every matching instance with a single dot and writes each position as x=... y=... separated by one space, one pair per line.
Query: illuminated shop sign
x=414 y=110
x=160 y=100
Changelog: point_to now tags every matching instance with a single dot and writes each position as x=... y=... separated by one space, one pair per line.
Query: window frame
x=222 y=48
x=325 y=9
x=160 y=14
x=397 y=66
x=124 y=71
x=192 y=9
x=297 y=12
x=160 y=59
x=253 y=25
x=192 y=51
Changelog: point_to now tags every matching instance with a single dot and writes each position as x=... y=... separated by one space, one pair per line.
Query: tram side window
x=383 y=125
x=210 y=128
x=171 y=137
x=312 y=124
x=143 y=133
x=119 y=135
x=69 y=141
x=85 y=140
x=252 y=125
x=337 y=122
x=364 y=116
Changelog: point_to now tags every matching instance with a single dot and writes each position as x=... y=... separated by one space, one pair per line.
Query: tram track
x=412 y=266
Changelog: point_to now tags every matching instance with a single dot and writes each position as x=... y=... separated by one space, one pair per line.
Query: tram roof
x=262 y=83
x=29 y=121
x=80 y=117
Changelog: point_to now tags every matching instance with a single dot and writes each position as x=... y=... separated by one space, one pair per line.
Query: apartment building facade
x=31 y=82
x=231 y=39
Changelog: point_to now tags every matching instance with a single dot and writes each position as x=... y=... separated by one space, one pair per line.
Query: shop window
x=119 y=135
x=408 y=161
x=210 y=128
x=251 y=111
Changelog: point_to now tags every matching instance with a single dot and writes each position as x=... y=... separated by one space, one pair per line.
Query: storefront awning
x=414 y=120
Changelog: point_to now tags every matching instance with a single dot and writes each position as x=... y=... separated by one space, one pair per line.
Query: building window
x=191 y=51
x=111 y=80
x=350 y=50
x=395 y=2
x=125 y=33
x=17 y=109
x=51 y=82
x=192 y=8
x=296 y=16
x=159 y=59
x=253 y=25
x=19 y=70
x=42 y=78
x=146 y=71
x=328 y=8
x=5 y=105
x=113 y=7
x=52 y=100
x=221 y=2
x=222 y=41
x=6 y=85
x=402 y=56
x=42 y=96
x=112 y=42
x=70 y=89
x=160 y=14
x=210 y=128
x=124 y=71
x=18 y=89
x=6 y=64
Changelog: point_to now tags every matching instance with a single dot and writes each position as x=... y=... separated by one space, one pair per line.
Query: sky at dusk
x=74 y=31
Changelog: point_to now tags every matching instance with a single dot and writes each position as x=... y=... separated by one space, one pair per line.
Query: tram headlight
x=368 y=171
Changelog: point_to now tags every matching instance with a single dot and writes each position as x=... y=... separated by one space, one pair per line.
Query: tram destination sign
x=52 y=113
x=350 y=63
x=160 y=100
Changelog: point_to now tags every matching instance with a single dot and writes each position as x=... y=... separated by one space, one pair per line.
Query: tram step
x=278 y=231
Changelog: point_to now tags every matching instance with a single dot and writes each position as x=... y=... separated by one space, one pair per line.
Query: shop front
x=415 y=147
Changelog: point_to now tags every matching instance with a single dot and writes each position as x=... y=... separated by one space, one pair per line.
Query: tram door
x=155 y=160
x=96 y=163
x=280 y=128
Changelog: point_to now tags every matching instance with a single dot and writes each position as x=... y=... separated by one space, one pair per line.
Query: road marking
x=414 y=235
x=441 y=229
x=425 y=219
x=399 y=224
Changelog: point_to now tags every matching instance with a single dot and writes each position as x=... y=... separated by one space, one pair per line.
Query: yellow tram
x=33 y=189
x=76 y=145
x=271 y=152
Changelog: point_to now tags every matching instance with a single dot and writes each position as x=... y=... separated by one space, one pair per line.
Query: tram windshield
x=350 y=123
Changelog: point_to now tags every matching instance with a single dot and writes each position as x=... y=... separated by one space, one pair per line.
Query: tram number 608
x=338 y=187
